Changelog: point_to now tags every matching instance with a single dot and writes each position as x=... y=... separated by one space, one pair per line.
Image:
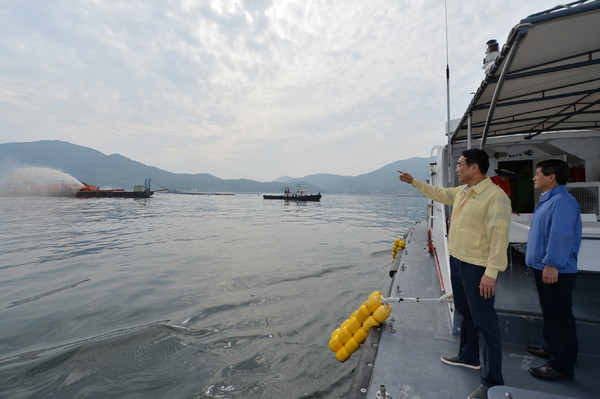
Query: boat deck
x=408 y=346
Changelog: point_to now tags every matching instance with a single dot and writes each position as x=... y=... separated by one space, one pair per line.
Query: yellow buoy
x=372 y=303
x=353 y=325
x=377 y=294
x=335 y=344
x=342 y=354
x=351 y=346
x=370 y=322
x=344 y=324
x=337 y=330
x=346 y=339
x=344 y=335
x=361 y=314
x=360 y=335
x=382 y=313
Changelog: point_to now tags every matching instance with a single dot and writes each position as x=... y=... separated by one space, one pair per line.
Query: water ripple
x=187 y=296
x=43 y=294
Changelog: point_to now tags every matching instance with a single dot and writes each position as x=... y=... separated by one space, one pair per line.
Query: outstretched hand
x=405 y=177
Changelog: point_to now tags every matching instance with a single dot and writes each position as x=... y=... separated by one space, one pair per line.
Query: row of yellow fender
x=399 y=245
x=346 y=340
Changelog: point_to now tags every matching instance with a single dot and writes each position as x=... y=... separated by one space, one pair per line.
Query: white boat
x=540 y=100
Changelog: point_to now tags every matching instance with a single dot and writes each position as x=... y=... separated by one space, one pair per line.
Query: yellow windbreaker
x=479 y=225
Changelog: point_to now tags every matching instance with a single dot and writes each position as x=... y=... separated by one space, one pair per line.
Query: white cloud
x=244 y=89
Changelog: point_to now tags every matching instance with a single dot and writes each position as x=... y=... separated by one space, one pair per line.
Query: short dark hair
x=557 y=167
x=479 y=157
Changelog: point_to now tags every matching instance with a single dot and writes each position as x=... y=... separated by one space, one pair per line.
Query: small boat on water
x=540 y=100
x=299 y=195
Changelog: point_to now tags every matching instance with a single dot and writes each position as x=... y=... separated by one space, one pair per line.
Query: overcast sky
x=252 y=89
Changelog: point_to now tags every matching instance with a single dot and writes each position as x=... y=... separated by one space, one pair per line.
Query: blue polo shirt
x=555 y=234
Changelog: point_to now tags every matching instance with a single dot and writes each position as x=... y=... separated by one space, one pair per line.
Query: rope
x=447 y=298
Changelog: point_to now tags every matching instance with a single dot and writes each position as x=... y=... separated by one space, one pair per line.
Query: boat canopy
x=546 y=78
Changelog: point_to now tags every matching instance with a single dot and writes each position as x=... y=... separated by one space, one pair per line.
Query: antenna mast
x=449 y=148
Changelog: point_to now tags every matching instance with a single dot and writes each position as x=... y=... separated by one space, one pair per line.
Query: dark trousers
x=479 y=321
x=560 y=333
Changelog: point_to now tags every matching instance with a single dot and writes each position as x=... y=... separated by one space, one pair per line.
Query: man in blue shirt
x=552 y=248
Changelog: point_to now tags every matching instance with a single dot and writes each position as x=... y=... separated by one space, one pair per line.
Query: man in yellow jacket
x=477 y=242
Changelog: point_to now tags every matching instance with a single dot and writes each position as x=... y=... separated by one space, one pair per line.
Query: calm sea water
x=185 y=296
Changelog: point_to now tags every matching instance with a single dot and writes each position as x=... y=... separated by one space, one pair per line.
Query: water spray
x=38 y=181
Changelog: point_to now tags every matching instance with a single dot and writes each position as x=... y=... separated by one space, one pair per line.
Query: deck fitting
x=382 y=393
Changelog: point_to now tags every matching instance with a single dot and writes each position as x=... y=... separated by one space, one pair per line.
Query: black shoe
x=537 y=351
x=454 y=360
x=548 y=373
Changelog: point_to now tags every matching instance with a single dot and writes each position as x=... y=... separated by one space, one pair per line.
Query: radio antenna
x=449 y=161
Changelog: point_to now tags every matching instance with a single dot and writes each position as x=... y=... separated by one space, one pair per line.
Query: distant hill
x=283 y=179
x=382 y=180
x=116 y=171
x=324 y=181
x=385 y=179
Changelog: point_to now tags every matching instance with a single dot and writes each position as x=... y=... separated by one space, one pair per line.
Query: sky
x=254 y=89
